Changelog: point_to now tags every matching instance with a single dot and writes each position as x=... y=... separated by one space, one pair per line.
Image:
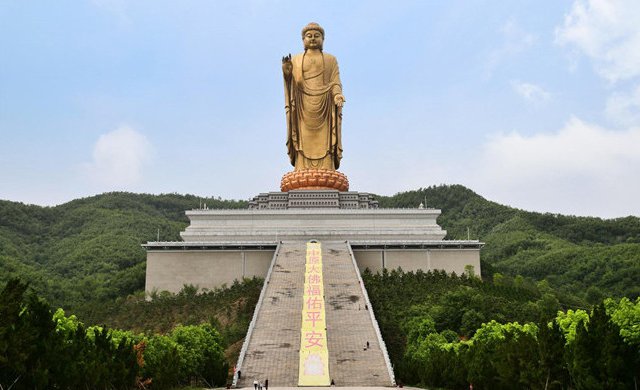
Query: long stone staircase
x=272 y=351
x=349 y=323
x=272 y=347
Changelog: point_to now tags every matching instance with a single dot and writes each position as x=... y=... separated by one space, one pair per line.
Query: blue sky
x=533 y=104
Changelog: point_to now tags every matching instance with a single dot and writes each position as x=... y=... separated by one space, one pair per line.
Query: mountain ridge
x=89 y=249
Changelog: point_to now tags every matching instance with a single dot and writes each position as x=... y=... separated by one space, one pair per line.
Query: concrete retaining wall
x=449 y=260
x=170 y=270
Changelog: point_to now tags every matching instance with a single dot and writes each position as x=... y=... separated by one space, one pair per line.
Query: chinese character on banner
x=314 y=289
x=313 y=317
x=314 y=279
x=313 y=339
x=314 y=270
x=314 y=303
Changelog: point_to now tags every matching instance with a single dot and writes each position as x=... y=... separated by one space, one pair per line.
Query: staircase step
x=349 y=325
x=273 y=350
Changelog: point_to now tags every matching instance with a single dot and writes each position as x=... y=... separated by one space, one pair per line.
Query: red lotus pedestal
x=314 y=179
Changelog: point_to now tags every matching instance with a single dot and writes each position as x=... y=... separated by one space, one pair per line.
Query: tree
x=38 y=352
x=599 y=358
x=201 y=349
x=551 y=345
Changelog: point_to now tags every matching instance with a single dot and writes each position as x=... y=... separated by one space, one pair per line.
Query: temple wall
x=170 y=270
x=449 y=260
x=371 y=259
x=454 y=260
x=257 y=263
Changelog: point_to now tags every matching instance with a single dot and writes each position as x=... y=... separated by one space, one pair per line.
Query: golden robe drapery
x=314 y=122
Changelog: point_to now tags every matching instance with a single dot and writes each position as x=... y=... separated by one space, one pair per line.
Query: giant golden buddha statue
x=313 y=105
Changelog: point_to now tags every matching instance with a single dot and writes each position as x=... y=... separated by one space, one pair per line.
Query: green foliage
x=584 y=258
x=427 y=321
x=229 y=309
x=530 y=356
x=409 y=306
x=189 y=355
x=39 y=350
x=551 y=350
x=200 y=349
x=504 y=356
x=598 y=357
x=511 y=355
x=86 y=256
x=65 y=325
x=88 y=250
x=162 y=362
x=463 y=208
x=626 y=315
x=418 y=328
x=570 y=321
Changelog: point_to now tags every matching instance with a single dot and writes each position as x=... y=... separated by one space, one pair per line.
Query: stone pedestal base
x=220 y=246
x=314 y=179
x=313 y=199
x=332 y=224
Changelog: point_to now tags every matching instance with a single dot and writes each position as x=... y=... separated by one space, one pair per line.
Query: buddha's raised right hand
x=287 y=66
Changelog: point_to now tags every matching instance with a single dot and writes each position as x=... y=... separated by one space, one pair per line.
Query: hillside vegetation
x=88 y=250
x=590 y=257
x=446 y=331
x=42 y=349
x=519 y=328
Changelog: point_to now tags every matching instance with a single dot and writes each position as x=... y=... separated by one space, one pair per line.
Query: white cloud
x=530 y=92
x=515 y=40
x=607 y=31
x=624 y=108
x=596 y=165
x=516 y=37
x=119 y=158
x=583 y=169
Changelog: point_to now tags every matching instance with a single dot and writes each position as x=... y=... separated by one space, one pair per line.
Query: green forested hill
x=89 y=249
x=584 y=256
x=85 y=256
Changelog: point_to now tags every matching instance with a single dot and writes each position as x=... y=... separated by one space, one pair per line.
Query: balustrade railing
x=383 y=347
x=252 y=324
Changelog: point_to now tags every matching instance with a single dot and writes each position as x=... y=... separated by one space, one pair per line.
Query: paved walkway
x=349 y=326
x=272 y=352
x=273 y=349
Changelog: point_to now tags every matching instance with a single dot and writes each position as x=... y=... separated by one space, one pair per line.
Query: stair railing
x=383 y=347
x=254 y=319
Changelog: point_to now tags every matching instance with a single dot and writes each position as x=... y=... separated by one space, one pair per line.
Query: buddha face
x=313 y=39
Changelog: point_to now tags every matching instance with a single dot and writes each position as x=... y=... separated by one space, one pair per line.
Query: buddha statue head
x=313 y=36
